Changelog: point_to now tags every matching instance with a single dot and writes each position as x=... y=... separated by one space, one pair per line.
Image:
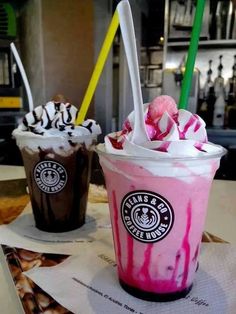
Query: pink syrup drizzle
x=116 y=227
x=130 y=249
x=198 y=124
x=199 y=146
x=145 y=267
x=130 y=254
x=115 y=143
x=147 y=283
x=163 y=147
x=171 y=285
x=151 y=127
x=182 y=134
x=175 y=272
x=162 y=286
x=186 y=246
x=127 y=126
x=161 y=135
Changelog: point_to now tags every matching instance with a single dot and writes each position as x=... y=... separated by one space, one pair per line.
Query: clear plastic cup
x=58 y=175
x=158 y=210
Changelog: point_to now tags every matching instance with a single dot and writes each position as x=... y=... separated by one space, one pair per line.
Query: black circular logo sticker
x=50 y=176
x=147 y=216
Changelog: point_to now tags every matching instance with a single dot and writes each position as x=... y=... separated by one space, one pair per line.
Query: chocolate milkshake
x=57 y=160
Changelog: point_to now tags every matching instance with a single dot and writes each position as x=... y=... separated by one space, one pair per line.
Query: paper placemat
x=22 y=232
x=87 y=284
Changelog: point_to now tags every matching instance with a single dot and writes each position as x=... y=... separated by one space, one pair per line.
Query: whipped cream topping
x=55 y=120
x=45 y=120
x=172 y=133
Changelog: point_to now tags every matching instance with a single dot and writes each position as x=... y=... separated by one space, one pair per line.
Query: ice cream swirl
x=172 y=133
x=53 y=125
x=57 y=117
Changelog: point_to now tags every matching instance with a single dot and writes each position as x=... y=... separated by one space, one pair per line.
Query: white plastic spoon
x=127 y=31
x=23 y=75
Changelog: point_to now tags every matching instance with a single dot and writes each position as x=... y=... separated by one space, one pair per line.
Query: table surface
x=220 y=221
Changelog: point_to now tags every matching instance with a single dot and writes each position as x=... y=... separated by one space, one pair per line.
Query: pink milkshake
x=158 y=194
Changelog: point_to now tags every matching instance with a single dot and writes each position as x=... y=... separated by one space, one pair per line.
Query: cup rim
x=98 y=149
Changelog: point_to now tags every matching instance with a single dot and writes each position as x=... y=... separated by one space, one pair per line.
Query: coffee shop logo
x=147 y=216
x=50 y=176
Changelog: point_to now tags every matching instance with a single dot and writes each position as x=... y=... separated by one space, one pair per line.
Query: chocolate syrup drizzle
x=60 y=122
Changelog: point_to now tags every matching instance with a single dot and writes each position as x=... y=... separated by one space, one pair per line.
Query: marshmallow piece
x=160 y=105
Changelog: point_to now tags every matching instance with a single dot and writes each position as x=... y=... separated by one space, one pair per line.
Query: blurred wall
x=57 y=47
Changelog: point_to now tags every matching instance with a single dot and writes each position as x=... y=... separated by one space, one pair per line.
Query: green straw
x=192 y=52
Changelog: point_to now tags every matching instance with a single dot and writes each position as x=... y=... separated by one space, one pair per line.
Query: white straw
x=23 y=75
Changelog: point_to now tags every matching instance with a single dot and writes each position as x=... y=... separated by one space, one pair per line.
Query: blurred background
x=59 y=42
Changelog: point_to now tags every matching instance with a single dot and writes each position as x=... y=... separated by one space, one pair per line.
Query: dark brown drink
x=58 y=186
